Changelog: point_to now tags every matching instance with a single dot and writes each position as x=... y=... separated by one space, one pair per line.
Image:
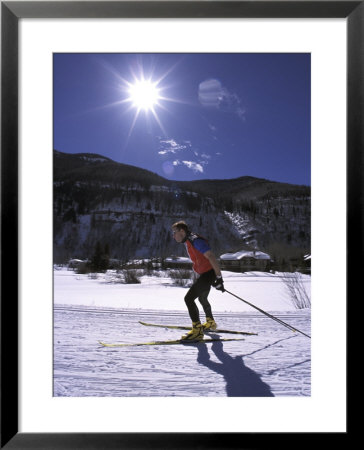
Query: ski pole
x=269 y=315
x=264 y=312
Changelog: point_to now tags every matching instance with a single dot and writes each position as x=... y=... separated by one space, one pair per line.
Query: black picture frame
x=11 y=13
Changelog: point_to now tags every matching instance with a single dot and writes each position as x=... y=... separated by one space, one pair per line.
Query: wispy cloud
x=181 y=153
x=212 y=94
x=193 y=165
x=171 y=146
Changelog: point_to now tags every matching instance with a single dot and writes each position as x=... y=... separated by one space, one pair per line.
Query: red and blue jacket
x=196 y=247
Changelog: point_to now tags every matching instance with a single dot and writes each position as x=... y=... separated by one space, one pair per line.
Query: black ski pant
x=200 y=289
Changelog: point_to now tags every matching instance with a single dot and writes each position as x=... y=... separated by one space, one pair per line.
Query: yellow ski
x=178 y=327
x=175 y=342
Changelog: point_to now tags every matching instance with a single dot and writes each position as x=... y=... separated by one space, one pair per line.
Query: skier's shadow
x=240 y=380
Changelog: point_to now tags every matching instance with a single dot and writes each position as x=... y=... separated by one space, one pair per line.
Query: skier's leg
x=210 y=323
x=197 y=329
x=205 y=303
x=190 y=298
x=200 y=288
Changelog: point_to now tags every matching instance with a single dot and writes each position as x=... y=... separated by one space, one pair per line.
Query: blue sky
x=188 y=116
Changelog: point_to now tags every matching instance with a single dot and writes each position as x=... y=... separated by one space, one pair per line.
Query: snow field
x=267 y=291
x=274 y=363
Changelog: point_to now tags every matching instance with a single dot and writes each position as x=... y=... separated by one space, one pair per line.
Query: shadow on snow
x=240 y=380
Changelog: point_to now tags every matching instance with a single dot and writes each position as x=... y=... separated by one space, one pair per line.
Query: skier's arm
x=219 y=282
x=213 y=261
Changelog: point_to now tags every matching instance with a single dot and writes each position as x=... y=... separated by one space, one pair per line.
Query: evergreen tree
x=100 y=259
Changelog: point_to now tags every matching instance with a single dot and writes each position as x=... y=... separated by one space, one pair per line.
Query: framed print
x=50 y=52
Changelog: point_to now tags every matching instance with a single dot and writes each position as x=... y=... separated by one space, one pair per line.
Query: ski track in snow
x=277 y=362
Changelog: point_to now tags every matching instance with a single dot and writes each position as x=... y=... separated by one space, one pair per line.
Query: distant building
x=245 y=260
x=75 y=263
x=178 y=262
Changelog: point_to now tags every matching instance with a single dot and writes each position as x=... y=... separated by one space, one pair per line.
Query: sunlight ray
x=158 y=121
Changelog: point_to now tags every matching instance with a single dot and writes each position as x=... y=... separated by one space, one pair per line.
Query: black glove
x=219 y=284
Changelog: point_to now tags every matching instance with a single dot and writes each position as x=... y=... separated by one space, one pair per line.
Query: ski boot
x=196 y=334
x=209 y=325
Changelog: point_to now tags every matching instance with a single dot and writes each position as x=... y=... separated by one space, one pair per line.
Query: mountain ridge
x=131 y=210
x=101 y=162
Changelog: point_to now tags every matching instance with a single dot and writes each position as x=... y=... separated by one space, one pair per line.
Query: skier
x=209 y=274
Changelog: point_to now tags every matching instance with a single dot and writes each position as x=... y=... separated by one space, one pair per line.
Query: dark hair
x=181 y=225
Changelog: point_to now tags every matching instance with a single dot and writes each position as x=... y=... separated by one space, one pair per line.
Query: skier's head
x=180 y=231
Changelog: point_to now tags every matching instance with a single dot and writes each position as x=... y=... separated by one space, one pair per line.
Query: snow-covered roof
x=244 y=254
x=178 y=259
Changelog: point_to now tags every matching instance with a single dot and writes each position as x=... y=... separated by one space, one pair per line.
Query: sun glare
x=144 y=94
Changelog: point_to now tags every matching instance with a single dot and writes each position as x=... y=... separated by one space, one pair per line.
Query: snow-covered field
x=276 y=362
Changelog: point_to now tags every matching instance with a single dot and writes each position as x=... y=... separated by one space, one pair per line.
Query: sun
x=144 y=94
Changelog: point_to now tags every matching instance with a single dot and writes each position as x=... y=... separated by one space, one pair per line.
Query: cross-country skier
x=209 y=274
